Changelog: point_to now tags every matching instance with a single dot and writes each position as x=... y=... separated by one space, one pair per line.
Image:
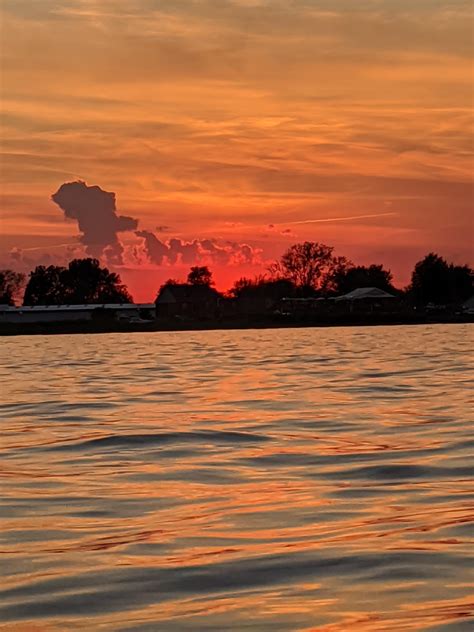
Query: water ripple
x=310 y=479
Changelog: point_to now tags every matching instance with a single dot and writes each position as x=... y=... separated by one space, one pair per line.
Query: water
x=307 y=479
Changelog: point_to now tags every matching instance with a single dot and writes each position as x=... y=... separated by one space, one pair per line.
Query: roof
x=364 y=292
x=76 y=308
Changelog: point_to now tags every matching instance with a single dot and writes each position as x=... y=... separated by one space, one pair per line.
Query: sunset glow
x=240 y=127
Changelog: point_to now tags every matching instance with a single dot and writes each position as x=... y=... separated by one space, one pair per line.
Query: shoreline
x=87 y=327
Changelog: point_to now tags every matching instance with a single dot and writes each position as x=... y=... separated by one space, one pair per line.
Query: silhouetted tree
x=362 y=276
x=434 y=280
x=200 y=275
x=245 y=285
x=45 y=286
x=310 y=266
x=462 y=282
x=11 y=284
x=83 y=281
x=86 y=282
x=169 y=282
x=262 y=287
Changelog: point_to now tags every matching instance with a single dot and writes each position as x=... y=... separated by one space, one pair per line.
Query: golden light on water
x=178 y=484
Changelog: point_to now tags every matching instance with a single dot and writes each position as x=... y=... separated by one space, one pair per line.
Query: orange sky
x=246 y=124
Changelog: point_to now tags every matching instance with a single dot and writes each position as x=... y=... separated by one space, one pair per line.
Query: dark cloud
x=205 y=251
x=183 y=251
x=96 y=214
x=155 y=249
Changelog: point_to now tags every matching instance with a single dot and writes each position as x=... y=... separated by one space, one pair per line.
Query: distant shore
x=350 y=320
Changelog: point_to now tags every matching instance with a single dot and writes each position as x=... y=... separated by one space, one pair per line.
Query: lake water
x=297 y=479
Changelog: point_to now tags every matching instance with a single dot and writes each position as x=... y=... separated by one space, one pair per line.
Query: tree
x=82 y=282
x=200 y=275
x=434 y=280
x=169 y=282
x=86 y=282
x=462 y=282
x=11 y=284
x=262 y=287
x=244 y=286
x=311 y=266
x=361 y=276
x=45 y=286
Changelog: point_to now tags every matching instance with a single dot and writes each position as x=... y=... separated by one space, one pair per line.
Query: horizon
x=228 y=131
x=267 y=277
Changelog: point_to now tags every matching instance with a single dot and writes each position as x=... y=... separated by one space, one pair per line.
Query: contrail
x=336 y=219
x=48 y=247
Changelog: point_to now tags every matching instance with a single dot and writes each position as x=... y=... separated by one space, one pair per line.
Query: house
x=186 y=301
x=303 y=307
x=262 y=297
x=254 y=305
x=131 y=312
x=367 y=300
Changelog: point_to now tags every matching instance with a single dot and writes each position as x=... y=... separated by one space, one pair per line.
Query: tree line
x=308 y=269
x=83 y=281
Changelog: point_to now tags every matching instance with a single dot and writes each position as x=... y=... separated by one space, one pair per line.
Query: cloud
x=26 y=259
x=16 y=254
x=155 y=249
x=199 y=251
x=97 y=219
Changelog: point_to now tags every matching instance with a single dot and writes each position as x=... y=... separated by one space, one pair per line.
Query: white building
x=131 y=312
x=365 y=294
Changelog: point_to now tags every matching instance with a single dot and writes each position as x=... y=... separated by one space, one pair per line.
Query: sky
x=220 y=132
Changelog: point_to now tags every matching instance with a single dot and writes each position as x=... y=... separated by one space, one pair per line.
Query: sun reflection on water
x=295 y=479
